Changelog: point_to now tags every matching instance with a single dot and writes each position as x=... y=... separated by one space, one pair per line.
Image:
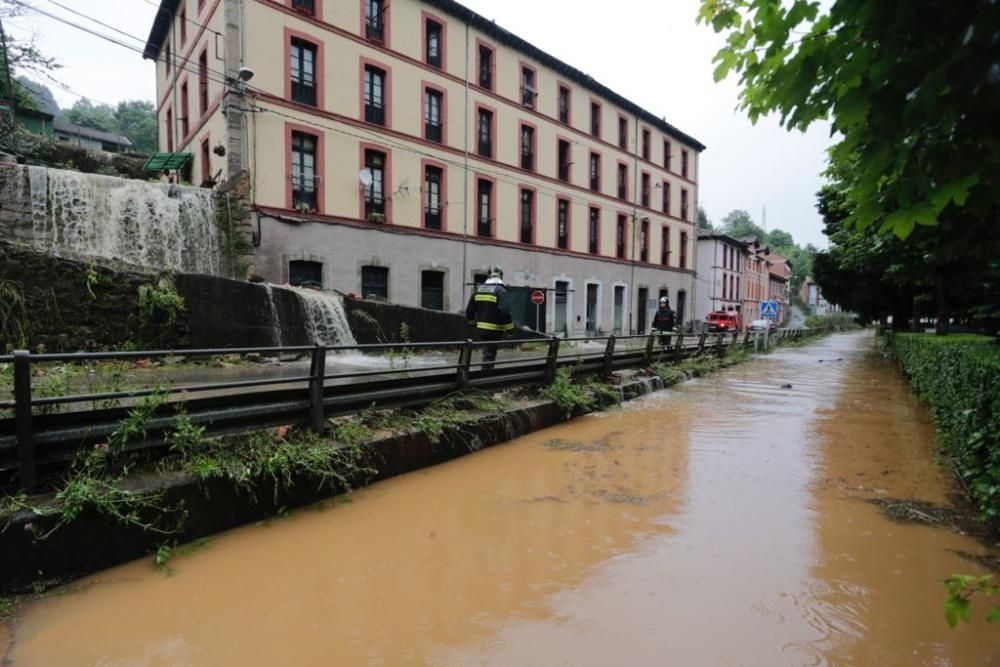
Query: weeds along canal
x=728 y=520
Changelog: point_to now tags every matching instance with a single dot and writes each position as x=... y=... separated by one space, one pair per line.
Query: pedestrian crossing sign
x=769 y=309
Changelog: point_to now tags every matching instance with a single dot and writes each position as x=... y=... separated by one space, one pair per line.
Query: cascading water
x=275 y=318
x=325 y=317
x=91 y=215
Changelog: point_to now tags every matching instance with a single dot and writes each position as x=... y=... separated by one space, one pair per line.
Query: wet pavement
x=724 y=522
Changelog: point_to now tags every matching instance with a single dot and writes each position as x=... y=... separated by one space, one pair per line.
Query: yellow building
x=400 y=149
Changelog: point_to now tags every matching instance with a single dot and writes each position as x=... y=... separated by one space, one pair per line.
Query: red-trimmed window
x=563 y=153
x=433 y=115
x=527 y=216
x=595 y=172
x=595 y=119
x=206 y=162
x=375 y=95
x=433 y=43
x=302 y=66
x=182 y=17
x=485 y=67
x=201 y=5
x=433 y=200
x=528 y=92
x=684 y=204
x=564 y=104
x=666 y=154
x=375 y=197
x=684 y=250
x=562 y=224
x=305 y=179
x=484 y=208
x=620 y=237
x=665 y=246
x=622 y=132
x=185 y=112
x=645 y=143
x=622 y=181
x=644 y=182
x=684 y=163
x=527 y=147
x=485 y=133
x=170 y=131
x=167 y=60
x=307 y=7
x=203 y=82
x=594 y=231
x=725 y=287
x=666 y=197
x=644 y=242
x=375 y=20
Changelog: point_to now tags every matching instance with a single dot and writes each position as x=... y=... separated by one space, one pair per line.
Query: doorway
x=619 y=308
x=561 y=296
x=640 y=326
x=681 y=303
x=592 y=294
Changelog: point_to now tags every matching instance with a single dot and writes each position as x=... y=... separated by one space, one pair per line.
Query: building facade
x=400 y=149
x=720 y=281
x=812 y=297
x=756 y=277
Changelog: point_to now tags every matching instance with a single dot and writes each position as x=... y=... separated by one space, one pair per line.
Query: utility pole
x=6 y=67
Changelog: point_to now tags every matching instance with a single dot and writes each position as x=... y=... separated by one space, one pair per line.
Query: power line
x=161 y=10
x=174 y=61
x=97 y=21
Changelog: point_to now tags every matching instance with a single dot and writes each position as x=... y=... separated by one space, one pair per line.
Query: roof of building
x=717 y=236
x=165 y=15
x=90 y=133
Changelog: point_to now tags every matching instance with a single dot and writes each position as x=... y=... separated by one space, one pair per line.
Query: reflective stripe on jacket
x=489 y=308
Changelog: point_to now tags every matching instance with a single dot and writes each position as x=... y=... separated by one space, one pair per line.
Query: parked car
x=723 y=320
x=762 y=325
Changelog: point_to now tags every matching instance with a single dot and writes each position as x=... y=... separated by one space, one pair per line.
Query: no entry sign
x=538 y=297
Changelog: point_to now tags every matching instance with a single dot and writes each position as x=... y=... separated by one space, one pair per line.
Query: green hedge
x=958 y=377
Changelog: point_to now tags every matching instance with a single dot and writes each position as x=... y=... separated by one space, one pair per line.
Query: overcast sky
x=650 y=51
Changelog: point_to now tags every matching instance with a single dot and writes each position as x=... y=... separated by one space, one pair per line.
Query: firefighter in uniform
x=489 y=311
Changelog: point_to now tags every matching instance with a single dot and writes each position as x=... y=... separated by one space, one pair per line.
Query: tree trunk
x=915 y=321
x=942 y=305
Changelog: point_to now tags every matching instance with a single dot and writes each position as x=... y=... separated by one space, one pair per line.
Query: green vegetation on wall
x=957 y=377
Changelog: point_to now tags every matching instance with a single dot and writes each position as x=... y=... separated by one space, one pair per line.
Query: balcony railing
x=564 y=171
x=374 y=30
x=486 y=148
x=433 y=131
x=483 y=227
x=528 y=161
x=432 y=219
x=375 y=114
x=375 y=208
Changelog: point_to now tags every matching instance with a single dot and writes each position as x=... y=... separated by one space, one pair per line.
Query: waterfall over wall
x=72 y=214
x=325 y=317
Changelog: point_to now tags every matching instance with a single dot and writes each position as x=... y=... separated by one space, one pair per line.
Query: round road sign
x=538 y=297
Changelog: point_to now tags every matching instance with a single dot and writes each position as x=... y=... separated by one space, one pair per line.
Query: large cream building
x=400 y=148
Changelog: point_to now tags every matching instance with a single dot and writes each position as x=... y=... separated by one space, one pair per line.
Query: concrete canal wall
x=94 y=541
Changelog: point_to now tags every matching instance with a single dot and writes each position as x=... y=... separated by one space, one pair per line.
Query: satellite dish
x=365 y=176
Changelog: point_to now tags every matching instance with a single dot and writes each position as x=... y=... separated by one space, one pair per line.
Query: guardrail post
x=464 y=361
x=679 y=348
x=551 y=359
x=649 y=346
x=609 y=355
x=317 y=370
x=719 y=342
x=22 y=417
x=701 y=343
x=746 y=338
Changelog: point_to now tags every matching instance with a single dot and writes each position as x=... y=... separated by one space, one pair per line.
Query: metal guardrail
x=33 y=437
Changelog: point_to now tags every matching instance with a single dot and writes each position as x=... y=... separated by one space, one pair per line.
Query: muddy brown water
x=723 y=522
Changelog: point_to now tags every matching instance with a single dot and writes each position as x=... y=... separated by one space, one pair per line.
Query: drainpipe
x=635 y=220
x=465 y=174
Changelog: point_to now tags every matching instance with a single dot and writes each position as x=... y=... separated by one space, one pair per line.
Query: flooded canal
x=724 y=522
